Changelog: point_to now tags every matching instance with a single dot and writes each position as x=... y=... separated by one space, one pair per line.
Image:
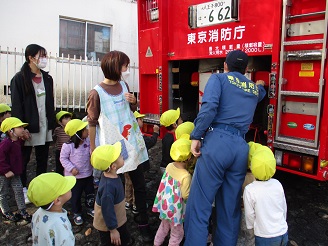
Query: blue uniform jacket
x=229 y=98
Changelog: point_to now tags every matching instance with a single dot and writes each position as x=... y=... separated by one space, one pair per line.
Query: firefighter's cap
x=138 y=115
x=169 y=117
x=73 y=126
x=46 y=187
x=237 y=59
x=180 y=149
x=104 y=156
x=4 y=108
x=263 y=163
x=60 y=114
x=10 y=123
x=184 y=128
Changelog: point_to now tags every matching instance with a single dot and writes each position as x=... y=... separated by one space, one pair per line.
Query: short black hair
x=170 y=127
x=75 y=140
x=65 y=116
x=3 y=113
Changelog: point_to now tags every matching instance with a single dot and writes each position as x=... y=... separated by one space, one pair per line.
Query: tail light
x=308 y=164
x=292 y=160
x=296 y=161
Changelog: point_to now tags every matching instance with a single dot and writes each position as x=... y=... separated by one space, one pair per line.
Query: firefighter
x=227 y=110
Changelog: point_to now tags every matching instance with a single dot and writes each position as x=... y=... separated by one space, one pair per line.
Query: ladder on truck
x=301 y=76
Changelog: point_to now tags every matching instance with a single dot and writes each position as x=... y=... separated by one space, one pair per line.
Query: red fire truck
x=182 y=42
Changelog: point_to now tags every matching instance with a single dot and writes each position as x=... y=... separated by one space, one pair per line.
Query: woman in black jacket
x=33 y=102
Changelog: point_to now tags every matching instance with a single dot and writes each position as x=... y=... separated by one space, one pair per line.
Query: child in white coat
x=264 y=201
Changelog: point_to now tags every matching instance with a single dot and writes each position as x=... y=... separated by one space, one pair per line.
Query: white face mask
x=42 y=63
x=125 y=75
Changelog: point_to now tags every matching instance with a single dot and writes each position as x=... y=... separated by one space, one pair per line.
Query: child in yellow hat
x=265 y=202
x=5 y=112
x=11 y=166
x=172 y=194
x=249 y=178
x=60 y=137
x=50 y=224
x=170 y=119
x=75 y=158
x=184 y=128
x=110 y=215
x=150 y=142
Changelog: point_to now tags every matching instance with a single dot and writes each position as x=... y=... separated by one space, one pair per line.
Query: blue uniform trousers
x=219 y=174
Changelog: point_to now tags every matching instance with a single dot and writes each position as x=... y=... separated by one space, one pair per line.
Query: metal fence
x=73 y=77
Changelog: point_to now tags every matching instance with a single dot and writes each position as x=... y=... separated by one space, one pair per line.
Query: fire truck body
x=182 y=42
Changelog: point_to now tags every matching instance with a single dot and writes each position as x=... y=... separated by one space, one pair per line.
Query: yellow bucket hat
x=138 y=115
x=185 y=136
x=184 y=128
x=4 y=108
x=73 y=126
x=103 y=156
x=180 y=149
x=46 y=187
x=61 y=114
x=169 y=117
x=263 y=163
x=252 y=147
x=10 y=123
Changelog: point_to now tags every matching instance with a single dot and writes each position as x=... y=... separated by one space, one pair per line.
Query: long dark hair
x=75 y=140
x=31 y=50
x=111 y=64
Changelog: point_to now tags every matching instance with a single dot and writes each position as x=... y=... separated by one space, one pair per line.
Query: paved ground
x=307 y=211
x=307 y=202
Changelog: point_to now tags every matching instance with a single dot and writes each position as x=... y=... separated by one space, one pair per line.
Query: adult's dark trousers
x=139 y=185
x=59 y=166
x=41 y=157
x=219 y=174
x=83 y=185
x=124 y=235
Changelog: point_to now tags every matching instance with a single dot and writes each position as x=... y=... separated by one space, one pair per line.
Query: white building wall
x=35 y=21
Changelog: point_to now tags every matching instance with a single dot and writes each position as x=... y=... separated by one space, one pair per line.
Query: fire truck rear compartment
x=188 y=79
